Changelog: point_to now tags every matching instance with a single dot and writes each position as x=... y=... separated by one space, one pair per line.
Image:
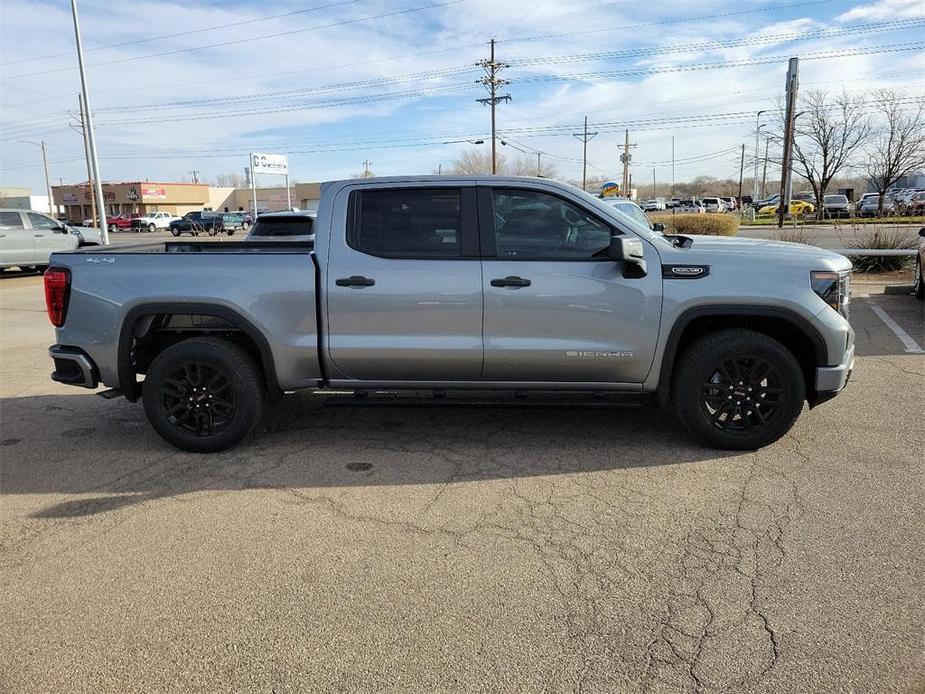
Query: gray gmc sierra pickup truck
x=457 y=282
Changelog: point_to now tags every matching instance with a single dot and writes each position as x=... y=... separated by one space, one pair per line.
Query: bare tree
x=898 y=147
x=828 y=133
x=229 y=180
x=478 y=161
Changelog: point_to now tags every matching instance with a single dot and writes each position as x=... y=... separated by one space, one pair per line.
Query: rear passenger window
x=407 y=222
x=10 y=219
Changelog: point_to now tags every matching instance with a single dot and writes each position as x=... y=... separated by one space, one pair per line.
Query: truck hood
x=705 y=246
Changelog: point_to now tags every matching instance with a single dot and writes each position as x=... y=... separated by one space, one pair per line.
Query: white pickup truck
x=153 y=220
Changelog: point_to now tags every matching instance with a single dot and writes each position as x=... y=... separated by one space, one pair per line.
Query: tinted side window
x=283 y=226
x=40 y=221
x=407 y=222
x=532 y=224
x=10 y=219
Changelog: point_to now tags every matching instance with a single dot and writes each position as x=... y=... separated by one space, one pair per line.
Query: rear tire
x=738 y=389
x=175 y=232
x=203 y=395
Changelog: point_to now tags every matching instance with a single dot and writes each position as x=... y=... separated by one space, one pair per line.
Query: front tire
x=151 y=227
x=738 y=389
x=203 y=394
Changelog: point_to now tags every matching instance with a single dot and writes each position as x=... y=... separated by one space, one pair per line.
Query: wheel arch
x=787 y=327
x=141 y=320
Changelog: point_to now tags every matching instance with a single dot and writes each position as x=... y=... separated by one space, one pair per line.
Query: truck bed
x=268 y=286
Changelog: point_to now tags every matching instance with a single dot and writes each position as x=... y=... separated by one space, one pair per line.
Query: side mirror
x=62 y=229
x=658 y=226
x=625 y=249
x=922 y=232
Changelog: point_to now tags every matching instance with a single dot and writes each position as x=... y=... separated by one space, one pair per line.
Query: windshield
x=283 y=226
x=836 y=198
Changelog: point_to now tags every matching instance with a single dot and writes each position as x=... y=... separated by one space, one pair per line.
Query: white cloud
x=885 y=9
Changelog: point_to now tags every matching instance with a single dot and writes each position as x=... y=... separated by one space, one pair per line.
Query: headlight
x=833 y=288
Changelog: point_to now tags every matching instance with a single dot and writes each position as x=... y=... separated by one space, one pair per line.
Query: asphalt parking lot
x=588 y=546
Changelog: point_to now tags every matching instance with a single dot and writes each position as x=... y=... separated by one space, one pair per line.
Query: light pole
x=51 y=204
x=88 y=124
x=757 y=128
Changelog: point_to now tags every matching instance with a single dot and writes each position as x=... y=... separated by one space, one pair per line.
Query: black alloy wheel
x=742 y=395
x=198 y=398
x=204 y=394
x=737 y=389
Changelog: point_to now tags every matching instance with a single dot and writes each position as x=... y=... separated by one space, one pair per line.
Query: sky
x=195 y=86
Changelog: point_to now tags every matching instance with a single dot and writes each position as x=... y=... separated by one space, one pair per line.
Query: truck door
x=49 y=236
x=557 y=309
x=16 y=241
x=404 y=284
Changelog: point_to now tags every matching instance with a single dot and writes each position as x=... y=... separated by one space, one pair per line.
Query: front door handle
x=39 y=236
x=510 y=281
x=355 y=281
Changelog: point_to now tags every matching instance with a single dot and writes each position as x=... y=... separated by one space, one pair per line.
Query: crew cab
x=153 y=220
x=472 y=283
x=211 y=223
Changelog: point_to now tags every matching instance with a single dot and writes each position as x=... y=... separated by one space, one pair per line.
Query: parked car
x=798 y=208
x=836 y=206
x=712 y=204
x=28 y=238
x=653 y=205
x=731 y=204
x=766 y=202
x=915 y=206
x=153 y=220
x=690 y=206
x=284 y=226
x=674 y=202
x=919 y=289
x=636 y=213
x=466 y=282
x=869 y=206
x=118 y=221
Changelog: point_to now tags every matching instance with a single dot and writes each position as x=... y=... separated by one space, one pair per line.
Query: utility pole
x=195 y=174
x=653 y=182
x=626 y=157
x=757 y=128
x=366 y=164
x=792 y=85
x=492 y=82
x=742 y=171
x=83 y=127
x=538 y=167
x=764 y=172
x=584 y=137
x=88 y=123
x=672 y=167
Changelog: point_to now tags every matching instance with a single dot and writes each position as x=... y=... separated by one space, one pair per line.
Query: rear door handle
x=510 y=281
x=355 y=281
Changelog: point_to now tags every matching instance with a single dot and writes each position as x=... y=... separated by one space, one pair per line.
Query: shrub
x=794 y=235
x=883 y=240
x=713 y=224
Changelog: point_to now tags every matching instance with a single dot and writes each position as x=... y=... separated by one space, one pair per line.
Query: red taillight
x=57 y=292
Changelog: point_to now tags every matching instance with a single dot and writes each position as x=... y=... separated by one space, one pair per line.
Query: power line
x=246 y=22
x=262 y=37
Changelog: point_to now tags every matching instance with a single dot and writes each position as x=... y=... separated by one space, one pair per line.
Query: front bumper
x=73 y=367
x=831 y=380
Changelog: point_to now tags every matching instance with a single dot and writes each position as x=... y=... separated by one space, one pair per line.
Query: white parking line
x=911 y=345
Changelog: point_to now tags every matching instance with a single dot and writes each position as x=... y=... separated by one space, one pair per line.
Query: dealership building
x=141 y=197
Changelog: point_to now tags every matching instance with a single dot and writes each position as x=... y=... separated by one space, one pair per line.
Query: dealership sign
x=269 y=163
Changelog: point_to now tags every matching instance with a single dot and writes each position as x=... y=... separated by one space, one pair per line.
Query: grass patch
x=711 y=224
x=881 y=240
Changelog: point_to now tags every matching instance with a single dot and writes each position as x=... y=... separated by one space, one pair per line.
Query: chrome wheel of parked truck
x=440 y=283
